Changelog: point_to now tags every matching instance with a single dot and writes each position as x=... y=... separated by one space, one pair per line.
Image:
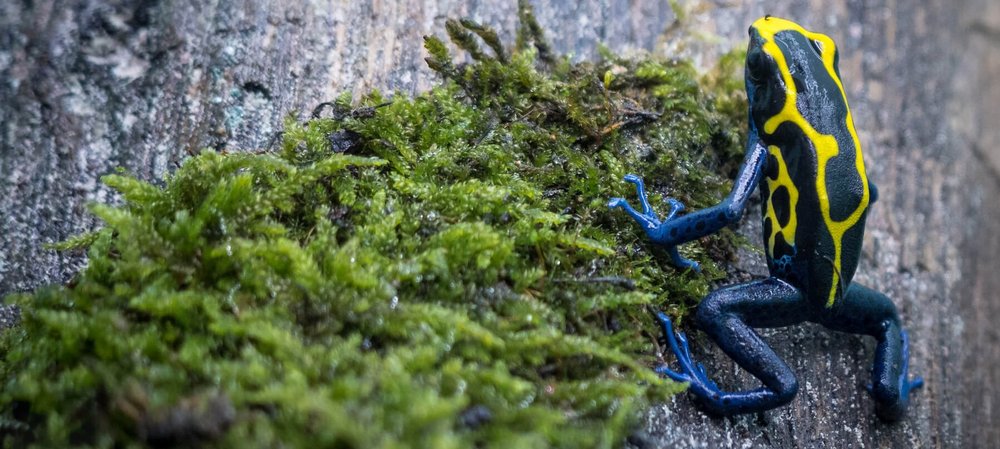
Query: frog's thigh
x=862 y=311
x=729 y=314
x=866 y=311
x=769 y=302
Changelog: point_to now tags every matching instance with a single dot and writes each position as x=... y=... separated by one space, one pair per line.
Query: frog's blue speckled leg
x=673 y=231
x=873 y=189
x=866 y=311
x=727 y=316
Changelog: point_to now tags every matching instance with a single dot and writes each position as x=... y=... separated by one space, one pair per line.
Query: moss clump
x=440 y=271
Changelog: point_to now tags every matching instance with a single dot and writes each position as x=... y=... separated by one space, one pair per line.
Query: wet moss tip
x=435 y=271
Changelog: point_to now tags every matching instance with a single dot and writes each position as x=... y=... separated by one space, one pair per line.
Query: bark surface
x=87 y=87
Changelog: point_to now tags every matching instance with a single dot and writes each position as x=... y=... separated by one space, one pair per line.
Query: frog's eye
x=817 y=45
x=756 y=64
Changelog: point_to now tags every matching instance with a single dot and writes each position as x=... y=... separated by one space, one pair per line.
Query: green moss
x=438 y=271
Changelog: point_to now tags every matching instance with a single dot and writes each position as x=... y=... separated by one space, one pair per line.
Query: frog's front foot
x=650 y=223
x=694 y=374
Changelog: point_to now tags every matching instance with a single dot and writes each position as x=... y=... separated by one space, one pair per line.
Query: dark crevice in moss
x=437 y=271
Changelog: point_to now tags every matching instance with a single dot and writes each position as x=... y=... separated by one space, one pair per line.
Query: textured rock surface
x=91 y=86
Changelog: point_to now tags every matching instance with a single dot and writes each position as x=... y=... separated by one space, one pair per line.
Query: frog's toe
x=616 y=202
x=665 y=323
x=682 y=262
x=905 y=384
x=917 y=382
x=664 y=370
x=675 y=207
x=688 y=264
x=701 y=369
x=633 y=178
x=703 y=376
x=691 y=372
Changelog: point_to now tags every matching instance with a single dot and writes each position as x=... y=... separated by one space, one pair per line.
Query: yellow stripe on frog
x=826 y=145
x=784 y=180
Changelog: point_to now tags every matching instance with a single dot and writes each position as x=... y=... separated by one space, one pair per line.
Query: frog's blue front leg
x=672 y=231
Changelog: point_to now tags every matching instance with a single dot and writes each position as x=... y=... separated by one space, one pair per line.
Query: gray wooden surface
x=88 y=86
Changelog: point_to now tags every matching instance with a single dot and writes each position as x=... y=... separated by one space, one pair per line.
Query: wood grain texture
x=88 y=86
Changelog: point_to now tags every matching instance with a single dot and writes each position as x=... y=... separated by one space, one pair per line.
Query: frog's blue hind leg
x=866 y=311
x=728 y=315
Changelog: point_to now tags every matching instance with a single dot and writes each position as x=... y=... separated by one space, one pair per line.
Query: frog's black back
x=814 y=187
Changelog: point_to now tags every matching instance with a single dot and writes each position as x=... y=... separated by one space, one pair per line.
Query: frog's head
x=790 y=70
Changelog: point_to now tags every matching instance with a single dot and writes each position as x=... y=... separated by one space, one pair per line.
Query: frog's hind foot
x=891 y=405
x=695 y=374
x=714 y=400
x=708 y=394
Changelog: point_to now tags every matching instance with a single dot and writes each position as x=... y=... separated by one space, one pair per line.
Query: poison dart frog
x=804 y=154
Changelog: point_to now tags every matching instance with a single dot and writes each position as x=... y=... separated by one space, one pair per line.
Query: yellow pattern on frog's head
x=784 y=59
x=767 y=28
